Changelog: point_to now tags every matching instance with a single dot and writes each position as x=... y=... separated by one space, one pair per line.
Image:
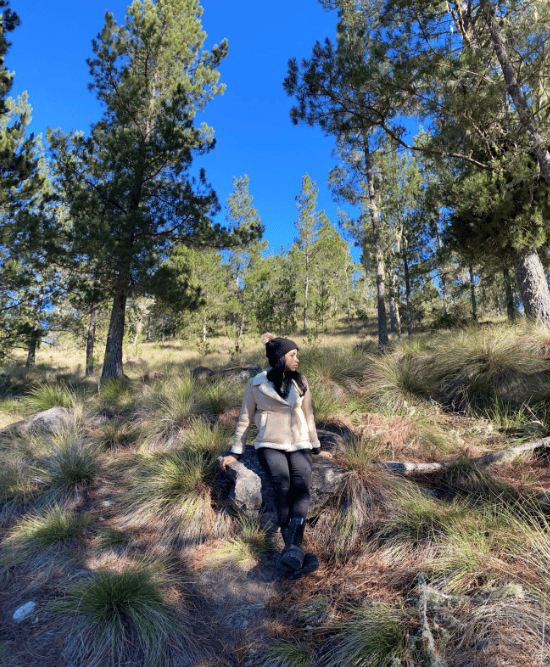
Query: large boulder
x=49 y=422
x=245 y=485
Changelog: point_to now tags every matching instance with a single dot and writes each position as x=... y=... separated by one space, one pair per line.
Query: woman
x=278 y=401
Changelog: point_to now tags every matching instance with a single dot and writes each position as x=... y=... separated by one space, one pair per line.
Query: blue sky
x=251 y=120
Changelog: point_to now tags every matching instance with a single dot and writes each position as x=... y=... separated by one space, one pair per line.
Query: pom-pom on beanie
x=275 y=347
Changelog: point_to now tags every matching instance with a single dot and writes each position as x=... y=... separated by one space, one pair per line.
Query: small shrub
x=121 y=619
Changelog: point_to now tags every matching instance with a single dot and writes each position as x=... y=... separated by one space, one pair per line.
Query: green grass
x=373 y=637
x=120 y=616
x=40 y=530
x=246 y=549
x=416 y=520
x=287 y=654
x=46 y=396
x=71 y=464
x=342 y=525
x=395 y=381
x=175 y=487
x=109 y=538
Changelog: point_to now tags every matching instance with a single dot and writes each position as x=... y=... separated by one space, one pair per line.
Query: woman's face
x=291 y=360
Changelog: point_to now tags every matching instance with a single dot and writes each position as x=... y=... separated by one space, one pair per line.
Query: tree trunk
x=532 y=285
x=306 y=296
x=90 y=339
x=112 y=362
x=148 y=329
x=511 y=309
x=443 y=276
x=473 y=293
x=408 y=317
x=34 y=340
x=526 y=117
x=375 y=218
x=395 y=318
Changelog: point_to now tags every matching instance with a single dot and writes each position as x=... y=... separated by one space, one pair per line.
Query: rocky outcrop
x=240 y=373
x=49 y=422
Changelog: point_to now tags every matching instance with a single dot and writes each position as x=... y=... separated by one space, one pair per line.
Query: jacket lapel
x=267 y=388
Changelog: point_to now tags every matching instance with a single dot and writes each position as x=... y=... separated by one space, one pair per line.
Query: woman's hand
x=326 y=455
x=227 y=460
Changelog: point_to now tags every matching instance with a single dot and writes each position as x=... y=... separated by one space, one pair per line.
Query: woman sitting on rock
x=278 y=401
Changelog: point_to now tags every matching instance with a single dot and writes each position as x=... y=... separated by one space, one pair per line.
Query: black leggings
x=290 y=475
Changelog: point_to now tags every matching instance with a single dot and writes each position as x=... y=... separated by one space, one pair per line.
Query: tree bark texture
x=532 y=285
x=406 y=273
x=31 y=350
x=90 y=339
x=380 y=281
x=112 y=363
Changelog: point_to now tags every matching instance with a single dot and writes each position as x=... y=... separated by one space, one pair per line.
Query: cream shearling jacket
x=285 y=424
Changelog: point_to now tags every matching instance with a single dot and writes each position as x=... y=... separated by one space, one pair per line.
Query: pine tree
x=128 y=184
x=307 y=224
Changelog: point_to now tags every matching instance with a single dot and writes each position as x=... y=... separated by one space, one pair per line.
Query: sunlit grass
x=46 y=396
x=246 y=549
x=40 y=530
x=373 y=637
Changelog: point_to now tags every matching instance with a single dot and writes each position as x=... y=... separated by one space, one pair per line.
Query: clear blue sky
x=251 y=120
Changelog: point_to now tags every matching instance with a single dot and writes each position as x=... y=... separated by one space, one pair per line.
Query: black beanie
x=275 y=348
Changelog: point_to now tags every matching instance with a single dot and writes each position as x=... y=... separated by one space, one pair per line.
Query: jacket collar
x=266 y=387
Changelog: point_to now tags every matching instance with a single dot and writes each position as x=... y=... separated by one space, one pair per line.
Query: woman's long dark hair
x=277 y=374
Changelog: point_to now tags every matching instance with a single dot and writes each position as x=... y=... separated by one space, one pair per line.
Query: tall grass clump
x=246 y=549
x=36 y=530
x=287 y=654
x=332 y=364
x=214 y=398
x=168 y=409
x=45 y=396
x=475 y=367
x=393 y=381
x=417 y=521
x=475 y=482
x=122 y=619
x=327 y=401
x=372 y=637
x=69 y=465
x=172 y=491
x=359 y=503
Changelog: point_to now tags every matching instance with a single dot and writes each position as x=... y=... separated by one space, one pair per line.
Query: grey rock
x=24 y=611
x=49 y=421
